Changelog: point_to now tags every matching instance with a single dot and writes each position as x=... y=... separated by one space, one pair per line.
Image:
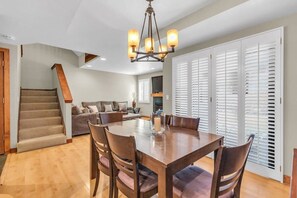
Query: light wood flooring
x=63 y=171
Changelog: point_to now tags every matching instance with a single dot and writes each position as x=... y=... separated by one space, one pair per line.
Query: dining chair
x=132 y=179
x=293 y=190
x=195 y=182
x=184 y=122
x=102 y=155
x=106 y=118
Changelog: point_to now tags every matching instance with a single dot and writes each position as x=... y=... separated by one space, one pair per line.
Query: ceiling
x=100 y=27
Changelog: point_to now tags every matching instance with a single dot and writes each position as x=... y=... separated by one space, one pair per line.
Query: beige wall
x=147 y=108
x=85 y=85
x=290 y=73
x=15 y=72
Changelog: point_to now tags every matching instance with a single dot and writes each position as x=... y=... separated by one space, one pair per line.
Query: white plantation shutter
x=181 y=89
x=244 y=80
x=226 y=64
x=144 y=91
x=200 y=90
x=261 y=64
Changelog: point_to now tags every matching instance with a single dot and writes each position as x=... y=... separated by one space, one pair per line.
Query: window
x=143 y=91
x=235 y=89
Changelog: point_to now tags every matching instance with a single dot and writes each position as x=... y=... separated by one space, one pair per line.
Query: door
x=1 y=103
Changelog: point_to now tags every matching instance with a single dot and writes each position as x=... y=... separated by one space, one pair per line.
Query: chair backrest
x=124 y=155
x=229 y=169
x=100 y=142
x=189 y=123
x=99 y=138
x=106 y=118
x=293 y=193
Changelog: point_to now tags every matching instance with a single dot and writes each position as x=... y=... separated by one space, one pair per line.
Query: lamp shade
x=172 y=38
x=133 y=38
x=131 y=54
x=162 y=48
x=149 y=44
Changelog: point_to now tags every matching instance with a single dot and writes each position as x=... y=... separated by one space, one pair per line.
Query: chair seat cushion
x=194 y=182
x=104 y=161
x=148 y=180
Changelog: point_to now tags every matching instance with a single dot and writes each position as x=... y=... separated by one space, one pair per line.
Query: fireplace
x=157 y=104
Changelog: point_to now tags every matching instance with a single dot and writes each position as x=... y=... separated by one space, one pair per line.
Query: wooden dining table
x=166 y=153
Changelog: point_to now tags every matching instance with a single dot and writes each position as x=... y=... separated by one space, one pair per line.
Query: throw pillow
x=76 y=110
x=86 y=110
x=108 y=108
x=93 y=109
x=123 y=107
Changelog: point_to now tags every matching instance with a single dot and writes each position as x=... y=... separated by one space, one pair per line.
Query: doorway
x=4 y=101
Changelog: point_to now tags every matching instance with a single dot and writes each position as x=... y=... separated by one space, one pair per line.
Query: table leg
x=165 y=184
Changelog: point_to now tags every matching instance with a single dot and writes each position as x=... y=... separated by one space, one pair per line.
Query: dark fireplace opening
x=157 y=104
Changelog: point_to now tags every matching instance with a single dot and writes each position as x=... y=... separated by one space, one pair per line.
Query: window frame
x=141 y=84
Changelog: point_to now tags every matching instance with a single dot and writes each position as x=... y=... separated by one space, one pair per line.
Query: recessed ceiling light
x=7 y=37
x=152 y=68
x=89 y=66
x=102 y=58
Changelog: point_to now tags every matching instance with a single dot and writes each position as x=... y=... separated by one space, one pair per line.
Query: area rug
x=2 y=162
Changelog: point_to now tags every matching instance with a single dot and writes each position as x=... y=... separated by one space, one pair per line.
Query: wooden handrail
x=294 y=176
x=63 y=83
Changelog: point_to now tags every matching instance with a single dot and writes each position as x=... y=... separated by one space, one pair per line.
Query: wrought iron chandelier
x=150 y=55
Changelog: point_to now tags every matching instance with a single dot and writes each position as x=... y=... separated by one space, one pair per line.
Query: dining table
x=164 y=153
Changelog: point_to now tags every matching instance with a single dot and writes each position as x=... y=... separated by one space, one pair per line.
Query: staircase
x=40 y=121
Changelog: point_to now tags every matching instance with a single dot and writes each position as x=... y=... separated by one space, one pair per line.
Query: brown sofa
x=79 y=120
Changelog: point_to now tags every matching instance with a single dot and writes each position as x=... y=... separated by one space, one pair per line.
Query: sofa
x=81 y=115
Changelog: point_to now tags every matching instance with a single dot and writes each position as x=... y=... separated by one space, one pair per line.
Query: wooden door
x=1 y=103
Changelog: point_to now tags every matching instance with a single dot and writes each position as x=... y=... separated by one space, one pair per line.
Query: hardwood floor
x=63 y=171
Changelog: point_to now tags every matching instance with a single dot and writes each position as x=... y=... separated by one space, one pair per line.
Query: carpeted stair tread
x=41 y=142
x=40 y=131
x=39 y=99
x=39 y=106
x=37 y=122
x=39 y=113
x=32 y=92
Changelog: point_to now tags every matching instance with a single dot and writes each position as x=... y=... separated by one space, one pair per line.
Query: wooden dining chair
x=103 y=155
x=293 y=191
x=106 y=118
x=132 y=179
x=184 y=122
x=226 y=180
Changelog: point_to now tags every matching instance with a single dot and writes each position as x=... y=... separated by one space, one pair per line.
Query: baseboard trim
x=287 y=179
x=13 y=150
x=69 y=141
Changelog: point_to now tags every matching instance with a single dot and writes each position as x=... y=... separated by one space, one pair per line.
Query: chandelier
x=150 y=54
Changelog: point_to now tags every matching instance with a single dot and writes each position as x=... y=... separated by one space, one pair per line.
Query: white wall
x=85 y=85
x=15 y=73
x=147 y=108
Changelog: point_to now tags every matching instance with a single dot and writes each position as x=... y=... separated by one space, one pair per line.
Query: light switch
x=167 y=97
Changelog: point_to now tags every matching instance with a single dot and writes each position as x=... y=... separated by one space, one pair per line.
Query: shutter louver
x=181 y=89
x=227 y=80
x=260 y=101
x=200 y=92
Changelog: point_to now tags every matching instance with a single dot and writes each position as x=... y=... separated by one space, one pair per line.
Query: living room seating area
x=89 y=111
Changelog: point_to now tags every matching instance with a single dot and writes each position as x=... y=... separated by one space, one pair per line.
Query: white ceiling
x=100 y=27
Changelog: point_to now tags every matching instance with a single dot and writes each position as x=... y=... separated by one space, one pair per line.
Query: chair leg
x=111 y=186
x=97 y=183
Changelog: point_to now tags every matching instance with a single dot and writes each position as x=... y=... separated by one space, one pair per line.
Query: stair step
x=30 y=133
x=39 y=106
x=41 y=142
x=32 y=92
x=39 y=114
x=37 y=122
x=39 y=99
